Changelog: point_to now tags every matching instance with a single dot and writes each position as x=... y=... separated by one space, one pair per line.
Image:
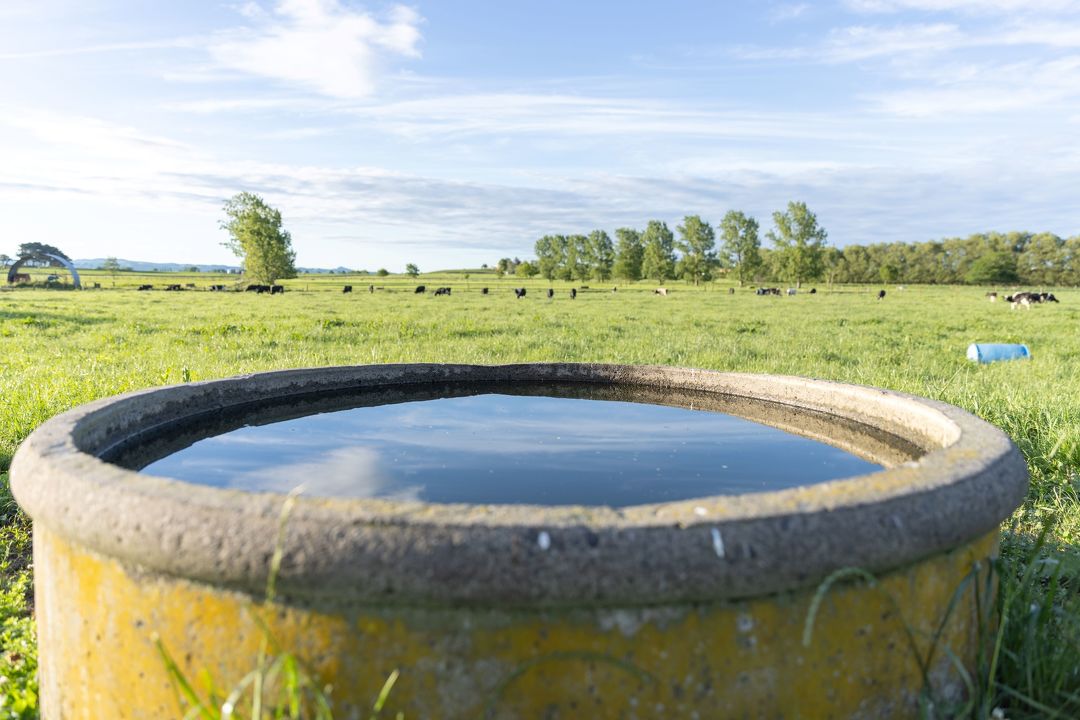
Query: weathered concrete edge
x=414 y=553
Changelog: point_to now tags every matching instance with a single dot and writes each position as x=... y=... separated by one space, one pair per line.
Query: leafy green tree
x=697 y=243
x=993 y=269
x=1042 y=261
x=799 y=241
x=111 y=266
x=257 y=236
x=628 y=254
x=30 y=248
x=550 y=255
x=578 y=259
x=888 y=273
x=527 y=269
x=658 y=255
x=602 y=254
x=741 y=247
x=503 y=267
x=381 y=272
x=4 y=260
x=412 y=270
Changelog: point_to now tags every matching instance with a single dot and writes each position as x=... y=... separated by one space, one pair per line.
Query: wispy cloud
x=981 y=7
x=320 y=45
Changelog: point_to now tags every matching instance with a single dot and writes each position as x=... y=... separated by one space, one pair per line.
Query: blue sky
x=454 y=133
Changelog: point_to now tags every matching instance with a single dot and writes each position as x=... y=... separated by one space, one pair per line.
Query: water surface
x=586 y=445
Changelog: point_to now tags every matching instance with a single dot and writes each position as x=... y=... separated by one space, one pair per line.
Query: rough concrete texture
x=409 y=553
x=728 y=659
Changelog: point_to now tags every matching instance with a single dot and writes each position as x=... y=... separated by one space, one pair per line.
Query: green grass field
x=59 y=349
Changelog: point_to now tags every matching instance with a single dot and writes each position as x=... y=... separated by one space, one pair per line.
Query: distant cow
x=660 y=291
x=1027 y=299
x=573 y=293
x=277 y=289
x=371 y=288
x=347 y=289
x=21 y=278
x=519 y=293
x=442 y=291
x=767 y=291
x=791 y=291
x=813 y=291
x=615 y=289
x=881 y=295
x=217 y=288
x=172 y=288
x=97 y=286
x=253 y=288
x=420 y=290
x=145 y=287
x=731 y=291
x=483 y=291
x=551 y=293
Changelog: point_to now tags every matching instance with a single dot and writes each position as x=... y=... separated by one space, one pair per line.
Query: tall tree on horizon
x=628 y=254
x=741 y=248
x=697 y=242
x=602 y=254
x=800 y=241
x=658 y=255
x=256 y=235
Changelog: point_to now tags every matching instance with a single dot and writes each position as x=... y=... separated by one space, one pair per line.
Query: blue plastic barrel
x=992 y=352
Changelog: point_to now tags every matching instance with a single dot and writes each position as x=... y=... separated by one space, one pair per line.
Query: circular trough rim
x=384 y=552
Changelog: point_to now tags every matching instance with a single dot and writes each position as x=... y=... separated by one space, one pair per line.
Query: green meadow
x=59 y=349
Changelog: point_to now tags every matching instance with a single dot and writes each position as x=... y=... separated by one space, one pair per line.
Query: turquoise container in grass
x=992 y=352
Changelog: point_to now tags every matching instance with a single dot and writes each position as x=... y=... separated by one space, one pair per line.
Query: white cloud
x=321 y=45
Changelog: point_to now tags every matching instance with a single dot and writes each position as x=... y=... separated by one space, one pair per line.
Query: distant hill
x=141 y=266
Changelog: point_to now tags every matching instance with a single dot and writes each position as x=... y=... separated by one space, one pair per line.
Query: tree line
x=693 y=252
x=696 y=252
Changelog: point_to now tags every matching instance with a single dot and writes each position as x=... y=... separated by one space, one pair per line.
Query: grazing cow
x=483 y=291
x=519 y=293
x=551 y=293
x=371 y=288
x=1027 y=299
x=252 y=288
x=172 y=288
x=145 y=287
x=573 y=293
x=881 y=295
x=217 y=288
x=660 y=291
x=442 y=291
x=1048 y=297
x=992 y=296
x=277 y=289
x=768 y=291
x=731 y=291
x=21 y=278
x=420 y=290
x=791 y=291
x=347 y=289
x=813 y=291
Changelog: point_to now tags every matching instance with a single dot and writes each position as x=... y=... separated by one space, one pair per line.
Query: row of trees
x=1042 y=259
x=691 y=252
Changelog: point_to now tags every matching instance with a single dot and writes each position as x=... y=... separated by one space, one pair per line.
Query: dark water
x=587 y=446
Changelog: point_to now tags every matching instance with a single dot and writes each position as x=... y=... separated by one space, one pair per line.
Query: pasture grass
x=60 y=349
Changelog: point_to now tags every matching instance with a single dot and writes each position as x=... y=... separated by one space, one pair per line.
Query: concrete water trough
x=721 y=605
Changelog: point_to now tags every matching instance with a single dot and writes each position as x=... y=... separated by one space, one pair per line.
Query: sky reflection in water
x=495 y=448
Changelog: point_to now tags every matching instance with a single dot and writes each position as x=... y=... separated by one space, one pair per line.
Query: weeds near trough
x=279 y=687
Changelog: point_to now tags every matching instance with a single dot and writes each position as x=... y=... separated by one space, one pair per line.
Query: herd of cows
x=1020 y=299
